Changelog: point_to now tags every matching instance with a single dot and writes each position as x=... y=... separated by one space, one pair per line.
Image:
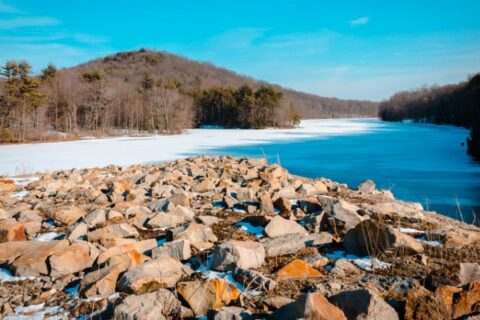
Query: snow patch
x=37 y=312
x=7 y=276
x=432 y=243
x=47 y=236
x=366 y=263
x=23 y=181
x=19 y=195
x=411 y=230
x=251 y=229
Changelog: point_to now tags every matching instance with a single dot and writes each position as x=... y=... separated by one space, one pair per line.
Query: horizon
x=348 y=51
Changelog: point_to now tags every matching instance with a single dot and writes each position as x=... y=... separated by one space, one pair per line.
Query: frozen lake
x=418 y=162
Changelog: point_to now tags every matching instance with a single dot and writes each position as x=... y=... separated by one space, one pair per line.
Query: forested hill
x=130 y=66
x=152 y=92
x=455 y=104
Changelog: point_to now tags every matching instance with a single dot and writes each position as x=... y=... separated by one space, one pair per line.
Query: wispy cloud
x=6 y=8
x=28 y=22
x=359 y=21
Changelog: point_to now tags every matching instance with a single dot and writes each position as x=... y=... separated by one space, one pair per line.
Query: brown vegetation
x=148 y=92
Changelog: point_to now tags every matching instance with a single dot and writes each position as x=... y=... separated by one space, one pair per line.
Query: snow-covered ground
x=30 y=158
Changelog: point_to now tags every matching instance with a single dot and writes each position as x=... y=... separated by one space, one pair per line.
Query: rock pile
x=227 y=238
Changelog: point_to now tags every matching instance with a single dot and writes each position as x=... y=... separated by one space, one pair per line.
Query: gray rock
x=95 y=218
x=160 y=304
x=371 y=237
x=201 y=237
x=364 y=304
x=309 y=306
x=344 y=268
x=179 y=249
x=286 y=244
x=229 y=313
x=254 y=280
x=163 y=272
x=279 y=226
x=242 y=254
x=367 y=186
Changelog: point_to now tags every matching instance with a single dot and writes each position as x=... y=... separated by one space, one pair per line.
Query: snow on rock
x=411 y=230
x=433 y=243
x=365 y=263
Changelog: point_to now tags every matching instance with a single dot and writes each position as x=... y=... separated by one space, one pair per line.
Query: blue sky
x=347 y=49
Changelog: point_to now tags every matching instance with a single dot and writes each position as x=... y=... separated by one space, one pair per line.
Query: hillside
x=454 y=104
x=149 y=92
x=130 y=66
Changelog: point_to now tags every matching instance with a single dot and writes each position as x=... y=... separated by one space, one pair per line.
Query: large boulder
x=101 y=282
x=165 y=220
x=33 y=258
x=229 y=313
x=136 y=246
x=202 y=295
x=367 y=186
x=242 y=254
x=421 y=303
x=279 y=226
x=311 y=306
x=468 y=301
x=106 y=234
x=179 y=249
x=289 y=243
x=371 y=237
x=77 y=257
x=363 y=304
x=200 y=236
x=343 y=214
x=159 y=305
x=163 y=272
x=68 y=215
x=253 y=280
x=396 y=209
x=11 y=230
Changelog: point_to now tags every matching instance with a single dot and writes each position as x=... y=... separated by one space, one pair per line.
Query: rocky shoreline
x=226 y=238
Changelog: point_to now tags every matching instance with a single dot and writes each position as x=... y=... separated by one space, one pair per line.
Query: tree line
x=65 y=103
x=244 y=107
x=457 y=104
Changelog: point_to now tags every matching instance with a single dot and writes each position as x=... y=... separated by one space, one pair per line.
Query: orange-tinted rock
x=211 y=293
x=445 y=295
x=7 y=185
x=422 y=304
x=68 y=215
x=33 y=259
x=297 y=269
x=312 y=306
x=11 y=230
x=101 y=282
x=77 y=257
x=468 y=301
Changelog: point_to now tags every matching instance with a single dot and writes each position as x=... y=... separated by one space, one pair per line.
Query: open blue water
x=418 y=162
